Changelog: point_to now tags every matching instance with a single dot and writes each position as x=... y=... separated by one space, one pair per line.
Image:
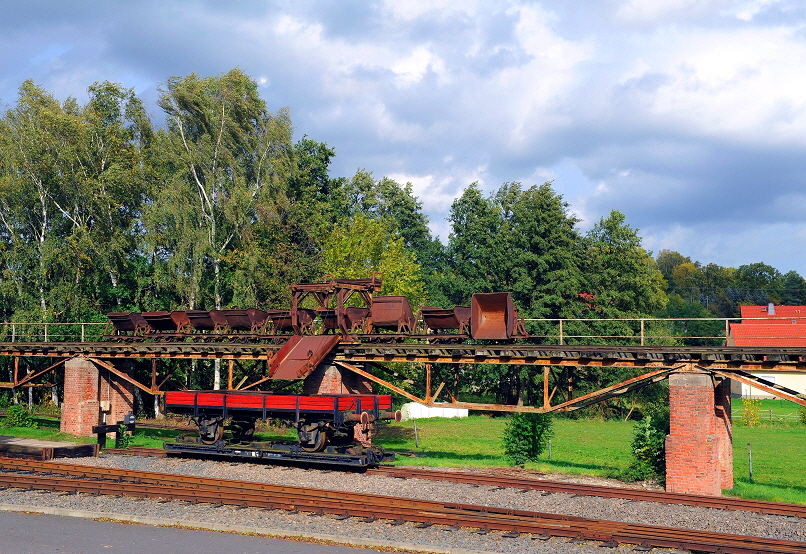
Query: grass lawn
x=48 y=429
x=602 y=448
x=579 y=446
x=770 y=411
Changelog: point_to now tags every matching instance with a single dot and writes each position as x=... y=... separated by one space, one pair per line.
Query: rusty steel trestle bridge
x=370 y=359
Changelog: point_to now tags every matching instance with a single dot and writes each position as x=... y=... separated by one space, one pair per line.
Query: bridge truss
x=372 y=360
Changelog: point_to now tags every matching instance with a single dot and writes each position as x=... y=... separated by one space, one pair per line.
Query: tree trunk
x=139 y=405
x=519 y=382
x=157 y=412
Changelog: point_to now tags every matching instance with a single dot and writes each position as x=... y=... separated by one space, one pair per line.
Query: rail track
x=638 y=495
x=69 y=478
x=498 y=481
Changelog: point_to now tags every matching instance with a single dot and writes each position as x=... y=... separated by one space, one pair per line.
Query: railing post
x=46 y=332
x=727 y=330
x=642 y=332
x=561 y=332
x=82 y=332
x=13 y=332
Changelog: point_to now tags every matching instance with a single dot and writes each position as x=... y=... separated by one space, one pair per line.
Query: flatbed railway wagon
x=331 y=429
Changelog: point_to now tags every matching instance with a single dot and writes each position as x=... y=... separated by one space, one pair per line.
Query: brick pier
x=86 y=388
x=331 y=379
x=699 y=449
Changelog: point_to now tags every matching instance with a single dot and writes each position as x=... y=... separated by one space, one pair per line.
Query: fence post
x=82 y=332
x=561 y=332
x=13 y=332
x=46 y=332
x=642 y=332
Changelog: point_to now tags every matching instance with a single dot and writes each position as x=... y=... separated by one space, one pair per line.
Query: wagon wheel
x=211 y=430
x=243 y=430
x=312 y=438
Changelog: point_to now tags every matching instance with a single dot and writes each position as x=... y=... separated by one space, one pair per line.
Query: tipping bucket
x=492 y=316
x=392 y=313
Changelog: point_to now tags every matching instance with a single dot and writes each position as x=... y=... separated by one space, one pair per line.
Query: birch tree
x=223 y=153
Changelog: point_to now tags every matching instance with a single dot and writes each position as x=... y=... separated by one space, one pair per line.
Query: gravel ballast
x=407 y=536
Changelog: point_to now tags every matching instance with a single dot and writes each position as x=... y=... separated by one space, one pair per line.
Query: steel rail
x=216 y=491
x=637 y=495
x=138 y=451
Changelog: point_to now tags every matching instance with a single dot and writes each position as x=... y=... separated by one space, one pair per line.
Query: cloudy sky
x=685 y=115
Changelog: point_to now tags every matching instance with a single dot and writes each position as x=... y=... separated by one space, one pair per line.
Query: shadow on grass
x=744 y=482
x=558 y=464
x=561 y=464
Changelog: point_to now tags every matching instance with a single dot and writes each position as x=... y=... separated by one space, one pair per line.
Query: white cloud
x=412 y=68
x=742 y=84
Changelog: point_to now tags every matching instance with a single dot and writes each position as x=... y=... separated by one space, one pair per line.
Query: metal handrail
x=51 y=331
x=559 y=333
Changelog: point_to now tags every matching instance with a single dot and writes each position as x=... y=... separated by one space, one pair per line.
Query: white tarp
x=414 y=410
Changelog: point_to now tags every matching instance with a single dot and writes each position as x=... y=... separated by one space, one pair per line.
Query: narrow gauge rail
x=94 y=480
x=729 y=357
x=737 y=504
x=638 y=495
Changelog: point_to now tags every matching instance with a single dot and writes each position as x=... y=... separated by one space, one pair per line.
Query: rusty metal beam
x=256 y=383
x=771 y=388
x=123 y=376
x=36 y=374
x=489 y=407
x=381 y=382
x=627 y=385
x=428 y=397
x=436 y=392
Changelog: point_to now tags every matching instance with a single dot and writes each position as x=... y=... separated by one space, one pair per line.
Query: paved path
x=45 y=534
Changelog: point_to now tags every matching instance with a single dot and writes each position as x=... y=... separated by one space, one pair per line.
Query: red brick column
x=699 y=456
x=86 y=388
x=81 y=408
x=331 y=379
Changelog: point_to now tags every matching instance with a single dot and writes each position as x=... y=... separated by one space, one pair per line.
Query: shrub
x=649 y=445
x=17 y=415
x=526 y=436
x=750 y=412
x=124 y=438
x=802 y=414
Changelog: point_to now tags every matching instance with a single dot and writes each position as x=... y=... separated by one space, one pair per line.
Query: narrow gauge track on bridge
x=546 y=485
x=23 y=474
x=516 y=353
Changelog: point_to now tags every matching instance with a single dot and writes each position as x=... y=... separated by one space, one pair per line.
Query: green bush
x=124 y=438
x=750 y=412
x=649 y=445
x=802 y=414
x=17 y=415
x=526 y=436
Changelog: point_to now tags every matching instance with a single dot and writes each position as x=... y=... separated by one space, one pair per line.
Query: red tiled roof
x=768 y=334
x=786 y=327
x=780 y=312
